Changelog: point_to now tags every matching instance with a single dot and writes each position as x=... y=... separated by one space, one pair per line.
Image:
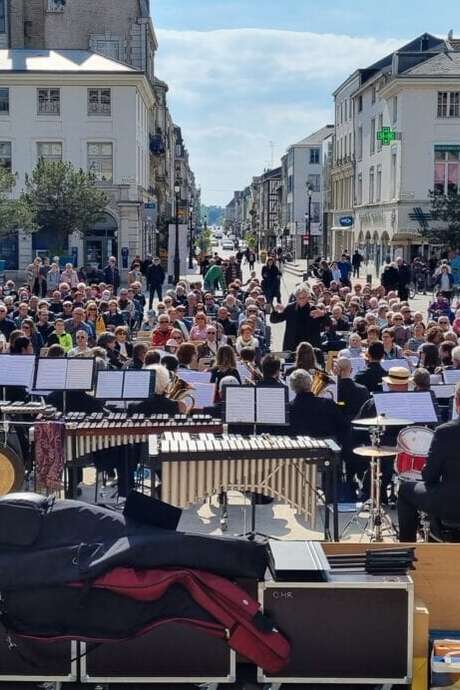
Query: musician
x=438 y=493
x=225 y=366
x=351 y=396
x=305 y=358
x=372 y=376
x=313 y=416
x=159 y=403
x=107 y=341
x=248 y=358
x=303 y=322
x=271 y=371
x=421 y=379
x=187 y=356
x=139 y=353
x=216 y=411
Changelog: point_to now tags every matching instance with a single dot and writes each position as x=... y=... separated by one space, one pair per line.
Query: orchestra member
x=139 y=353
x=421 y=380
x=429 y=357
x=187 y=356
x=225 y=366
x=159 y=403
x=313 y=416
x=438 y=493
x=351 y=396
x=271 y=371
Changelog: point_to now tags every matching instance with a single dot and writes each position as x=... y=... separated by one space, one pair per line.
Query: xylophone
x=89 y=433
x=196 y=467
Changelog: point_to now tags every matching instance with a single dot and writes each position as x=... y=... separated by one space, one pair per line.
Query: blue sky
x=244 y=73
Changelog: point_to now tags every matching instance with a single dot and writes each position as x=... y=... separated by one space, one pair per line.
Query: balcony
x=157 y=145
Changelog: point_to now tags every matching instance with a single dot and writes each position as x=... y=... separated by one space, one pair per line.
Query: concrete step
x=294 y=269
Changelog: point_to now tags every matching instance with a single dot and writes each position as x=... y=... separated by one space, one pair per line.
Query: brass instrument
x=180 y=391
x=321 y=380
x=256 y=374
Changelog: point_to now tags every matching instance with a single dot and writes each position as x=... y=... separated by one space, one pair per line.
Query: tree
x=444 y=209
x=14 y=214
x=63 y=200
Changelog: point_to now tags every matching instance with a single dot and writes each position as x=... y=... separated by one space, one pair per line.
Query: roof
x=317 y=137
x=443 y=64
x=72 y=61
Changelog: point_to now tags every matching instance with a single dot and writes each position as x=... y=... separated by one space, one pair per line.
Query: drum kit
x=379 y=522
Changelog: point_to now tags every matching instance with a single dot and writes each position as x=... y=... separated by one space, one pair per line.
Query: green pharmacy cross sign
x=386 y=135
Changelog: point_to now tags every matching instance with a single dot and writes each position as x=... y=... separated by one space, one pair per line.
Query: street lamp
x=190 y=256
x=177 y=188
x=309 y=192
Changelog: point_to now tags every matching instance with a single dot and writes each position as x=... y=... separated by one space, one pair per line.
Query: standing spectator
x=135 y=274
x=345 y=268
x=356 y=263
x=390 y=277
x=155 y=277
x=53 y=278
x=404 y=277
x=69 y=276
x=112 y=274
x=39 y=278
x=445 y=282
x=251 y=257
x=214 y=278
x=271 y=278
x=233 y=271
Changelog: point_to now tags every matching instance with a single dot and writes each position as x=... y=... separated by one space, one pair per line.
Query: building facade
x=73 y=106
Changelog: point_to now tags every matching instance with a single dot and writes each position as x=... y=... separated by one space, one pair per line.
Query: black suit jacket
x=372 y=377
x=317 y=417
x=351 y=397
x=300 y=326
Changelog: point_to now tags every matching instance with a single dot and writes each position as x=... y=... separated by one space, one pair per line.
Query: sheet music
x=137 y=385
x=240 y=405
x=444 y=390
x=110 y=385
x=204 y=395
x=79 y=374
x=417 y=407
x=191 y=376
x=357 y=364
x=451 y=375
x=17 y=370
x=387 y=364
x=243 y=371
x=271 y=405
x=51 y=374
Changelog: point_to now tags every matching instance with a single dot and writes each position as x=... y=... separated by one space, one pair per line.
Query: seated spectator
x=124 y=347
x=199 y=328
x=354 y=349
x=81 y=348
x=392 y=350
x=418 y=338
x=113 y=317
x=162 y=333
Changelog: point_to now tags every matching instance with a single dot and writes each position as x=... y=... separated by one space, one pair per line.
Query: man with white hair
x=455 y=358
x=304 y=322
x=159 y=403
x=313 y=416
x=438 y=493
x=351 y=396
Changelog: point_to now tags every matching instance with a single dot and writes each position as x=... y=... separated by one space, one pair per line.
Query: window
x=349 y=145
x=359 y=144
x=371 y=185
x=446 y=169
x=5 y=155
x=378 y=190
x=394 y=163
x=49 y=150
x=374 y=94
x=314 y=181
x=100 y=161
x=110 y=49
x=394 y=117
x=379 y=143
x=314 y=156
x=360 y=103
x=2 y=17
x=56 y=5
x=99 y=102
x=4 y=101
x=448 y=104
x=372 y=142
x=49 y=101
x=359 y=189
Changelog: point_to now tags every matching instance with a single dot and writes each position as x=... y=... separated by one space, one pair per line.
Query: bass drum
x=11 y=472
x=413 y=445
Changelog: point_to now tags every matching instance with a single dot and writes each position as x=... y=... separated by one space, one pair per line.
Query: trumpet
x=181 y=391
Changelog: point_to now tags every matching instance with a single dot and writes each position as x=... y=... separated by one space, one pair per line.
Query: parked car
x=227 y=244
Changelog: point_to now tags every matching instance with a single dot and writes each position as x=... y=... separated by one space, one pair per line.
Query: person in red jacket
x=162 y=333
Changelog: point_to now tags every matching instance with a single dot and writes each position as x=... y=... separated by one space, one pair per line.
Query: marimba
x=196 y=467
x=90 y=433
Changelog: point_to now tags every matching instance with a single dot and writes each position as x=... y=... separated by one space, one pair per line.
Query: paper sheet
x=79 y=374
x=110 y=385
x=357 y=364
x=204 y=395
x=387 y=364
x=51 y=374
x=444 y=390
x=137 y=385
x=416 y=407
x=240 y=404
x=451 y=375
x=271 y=405
x=191 y=376
x=17 y=370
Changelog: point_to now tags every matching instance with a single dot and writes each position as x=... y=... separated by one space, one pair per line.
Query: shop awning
x=337 y=228
x=407 y=236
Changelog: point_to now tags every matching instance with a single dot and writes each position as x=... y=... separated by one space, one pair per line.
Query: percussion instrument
x=89 y=433
x=413 y=445
x=21 y=408
x=196 y=467
x=381 y=420
x=375 y=452
x=11 y=471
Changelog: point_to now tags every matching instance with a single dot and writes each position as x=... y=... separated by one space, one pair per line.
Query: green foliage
x=445 y=210
x=14 y=214
x=63 y=200
x=205 y=240
x=251 y=240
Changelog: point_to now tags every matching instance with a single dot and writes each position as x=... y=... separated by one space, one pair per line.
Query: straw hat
x=397 y=376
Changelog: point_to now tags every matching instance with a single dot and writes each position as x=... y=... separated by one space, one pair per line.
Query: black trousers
x=153 y=289
x=437 y=500
x=355 y=271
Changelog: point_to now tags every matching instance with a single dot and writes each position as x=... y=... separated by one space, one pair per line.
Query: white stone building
x=415 y=92
x=84 y=108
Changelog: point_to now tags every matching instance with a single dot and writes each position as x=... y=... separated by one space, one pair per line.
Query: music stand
x=17 y=371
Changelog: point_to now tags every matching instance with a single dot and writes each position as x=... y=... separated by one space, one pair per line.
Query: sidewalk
x=298 y=268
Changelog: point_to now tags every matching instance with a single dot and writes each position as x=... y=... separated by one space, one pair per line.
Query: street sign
x=386 y=135
x=306 y=240
x=346 y=221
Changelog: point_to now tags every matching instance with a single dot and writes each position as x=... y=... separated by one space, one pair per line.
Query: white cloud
x=233 y=91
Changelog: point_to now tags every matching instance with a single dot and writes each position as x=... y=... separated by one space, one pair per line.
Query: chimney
x=424 y=43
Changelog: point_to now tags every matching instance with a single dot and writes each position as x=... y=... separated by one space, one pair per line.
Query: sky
x=248 y=78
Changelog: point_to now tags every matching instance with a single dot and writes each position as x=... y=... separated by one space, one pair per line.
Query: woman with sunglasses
x=208 y=349
x=30 y=331
x=199 y=328
x=122 y=345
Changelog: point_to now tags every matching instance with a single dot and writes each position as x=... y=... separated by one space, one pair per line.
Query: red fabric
x=224 y=601
x=49 y=455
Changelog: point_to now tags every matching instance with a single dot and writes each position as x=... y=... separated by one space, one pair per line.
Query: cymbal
x=381 y=420
x=374 y=452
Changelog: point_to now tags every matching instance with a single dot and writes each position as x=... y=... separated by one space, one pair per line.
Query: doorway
x=101 y=242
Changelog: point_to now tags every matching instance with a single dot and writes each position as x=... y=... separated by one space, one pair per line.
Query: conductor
x=438 y=493
x=304 y=322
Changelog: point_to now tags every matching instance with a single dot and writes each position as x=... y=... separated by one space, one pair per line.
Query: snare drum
x=413 y=445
